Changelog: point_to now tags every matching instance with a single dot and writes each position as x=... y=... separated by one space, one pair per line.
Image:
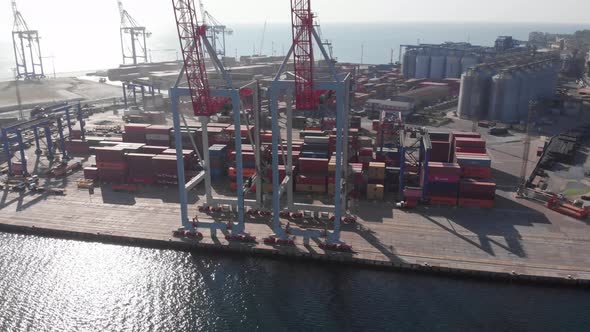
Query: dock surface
x=523 y=241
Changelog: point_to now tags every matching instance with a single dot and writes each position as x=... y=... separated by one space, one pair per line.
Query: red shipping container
x=442 y=200
x=470 y=188
x=142 y=179
x=311 y=180
x=112 y=175
x=158 y=130
x=246 y=172
x=136 y=127
x=469 y=142
x=151 y=149
x=444 y=168
x=470 y=150
x=455 y=134
x=481 y=203
x=111 y=166
x=313 y=165
x=91 y=173
x=476 y=172
x=109 y=154
x=443 y=178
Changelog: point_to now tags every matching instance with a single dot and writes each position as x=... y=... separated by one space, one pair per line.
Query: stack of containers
x=365 y=156
x=140 y=168
x=77 y=147
x=186 y=140
x=312 y=175
x=189 y=157
x=391 y=179
x=248 y=165
x=476 y=193
x=355 y=122
x=149 y=149
x=158 y=135
x=135 y=132
x=111 y=164
x=476 y=189
x=441 y=146
x=282 y=175
x=315 y=147
x=471 y=154
x=328 y=123
x=390 y=156
x=245 y=132
x=164 y=168
x=376 y=175
x=217 y=161
x=357 y=179
x=442 y=184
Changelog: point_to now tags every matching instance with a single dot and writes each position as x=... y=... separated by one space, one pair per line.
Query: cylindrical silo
x=480 y=105
x=468 y=91
x=504 y=97
x=453 y=66
x=468 y=61
x=437 y=65
x=409 y=64
x=423 y=64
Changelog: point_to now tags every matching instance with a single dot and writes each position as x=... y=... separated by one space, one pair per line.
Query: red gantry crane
x=190 y=33
x=302 y=22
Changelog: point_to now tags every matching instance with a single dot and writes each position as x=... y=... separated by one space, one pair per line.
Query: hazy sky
x=154 y=12
x=74 y=29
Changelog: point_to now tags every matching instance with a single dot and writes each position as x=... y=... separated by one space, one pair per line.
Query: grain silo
x=437 y=64
x=468 y=90
x=422 y=64
x=468 y=61
x=504 y=96
x=453 y=65
x=409 y=64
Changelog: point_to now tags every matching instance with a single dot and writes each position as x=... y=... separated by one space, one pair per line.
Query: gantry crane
x=302 y=28
x=216 y=31
x=27 y=50
x=133 y=38
x=306 y=87
x=192 y=35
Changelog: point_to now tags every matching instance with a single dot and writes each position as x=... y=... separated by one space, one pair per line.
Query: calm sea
x=371 y=43
x=58 y=285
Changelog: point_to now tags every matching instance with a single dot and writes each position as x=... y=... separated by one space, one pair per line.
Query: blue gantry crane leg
x=21 y=148
x=37 y=143
x=49 y=143
x=62 y=142
x=233 y=94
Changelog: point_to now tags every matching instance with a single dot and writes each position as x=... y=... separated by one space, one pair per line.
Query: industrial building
x=451 y=60
x=502 y=90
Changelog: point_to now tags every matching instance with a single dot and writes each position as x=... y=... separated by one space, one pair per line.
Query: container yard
x=398 y=166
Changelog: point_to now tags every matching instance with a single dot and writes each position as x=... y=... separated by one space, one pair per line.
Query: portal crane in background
x=27 y=50
x=302 y=28
x=133 y=38
x=216 y=31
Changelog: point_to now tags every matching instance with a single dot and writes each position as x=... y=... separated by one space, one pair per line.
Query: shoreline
x=286 y=253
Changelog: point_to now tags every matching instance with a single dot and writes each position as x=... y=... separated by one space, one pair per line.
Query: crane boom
x=191 y=46
x=302 y=27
